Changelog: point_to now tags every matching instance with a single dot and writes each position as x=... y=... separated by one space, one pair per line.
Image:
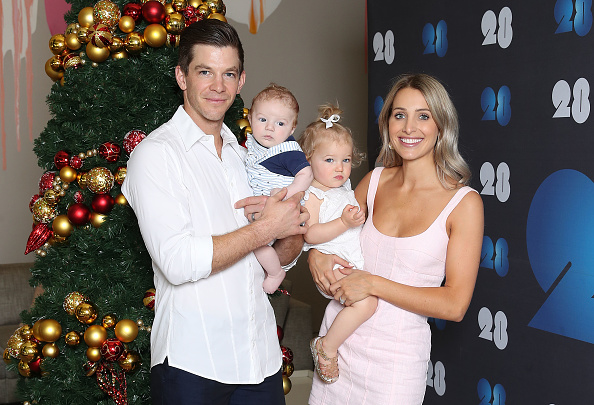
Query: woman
x=423 y=225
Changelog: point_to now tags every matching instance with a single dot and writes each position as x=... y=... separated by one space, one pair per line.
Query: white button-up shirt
x=219 y=326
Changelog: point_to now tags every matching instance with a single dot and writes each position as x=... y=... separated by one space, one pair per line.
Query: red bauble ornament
x=78 y=197
x=102 y=203
x=133 y=10
x=191 y=15
x=61 y=159
x=133 y=138
x=75 y=162
x=32 y=201
x=279 y=332
x=153 y=12
x=109 y=151
x=149 y=299
x=287 y=355
x=112 y=349
x=45 y=182
x=35 y=365
x=79 y=214
x=40 y=234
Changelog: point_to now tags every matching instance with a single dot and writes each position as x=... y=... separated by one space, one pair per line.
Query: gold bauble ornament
x=26 y=332
x=72 y=28
x=203 y=10
x=126 y=330
x=216 y=6
x=73 y=300
x=6 y=356
x=288 y=369
x=172 y=41
x=217 y=16
x=286 y=384
x=67 y=174
x=97 y=54
x=119 y=55
x=50 y=350
x=175 y=23
x=83 y=35
x=194 y=3
x=72 y=61
x=72 y=41
x=81 y=179
x=72 y=338
x=24 y=369
x=47 y=330
x=134 y=43
x=51 y=197
x=55 y=76
x=130 y=361
x=85 y=17
x=245 y=112
x=62 y=226
x=155 y=35
x=107 y=13
x=14 y=344
x=95 y=335
x=117 y=45
x=94 y=353
x=57 y=44
x=99 y=180
x=242 y=123
x=127 y=24
x=109 y=321
x=55 y=62
x=121 y=199
x=29 y=351
x=169 y=9
x=179 y=5
x=86 y=313
x=97 y=219
x=120 y=175
x=43 y=212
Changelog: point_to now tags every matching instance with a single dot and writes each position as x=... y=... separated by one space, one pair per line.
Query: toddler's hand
x=352 y=216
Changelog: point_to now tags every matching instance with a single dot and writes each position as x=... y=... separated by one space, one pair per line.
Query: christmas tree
x=86 y=337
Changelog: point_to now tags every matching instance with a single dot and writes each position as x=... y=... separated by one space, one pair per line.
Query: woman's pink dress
x=385 y=360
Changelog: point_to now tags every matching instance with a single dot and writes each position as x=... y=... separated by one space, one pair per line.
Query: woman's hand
x=357 y=285
x=321 y=266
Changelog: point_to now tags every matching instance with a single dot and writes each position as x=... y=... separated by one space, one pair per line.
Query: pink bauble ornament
x=132 y=139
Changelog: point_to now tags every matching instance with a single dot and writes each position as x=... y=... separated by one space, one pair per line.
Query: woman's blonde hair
x=449 y=163
x=316 y=132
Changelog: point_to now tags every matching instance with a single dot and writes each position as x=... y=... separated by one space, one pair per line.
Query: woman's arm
x=449 y=302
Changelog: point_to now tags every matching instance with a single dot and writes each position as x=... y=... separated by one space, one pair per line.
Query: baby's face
x=331 y=164
x=272 y=122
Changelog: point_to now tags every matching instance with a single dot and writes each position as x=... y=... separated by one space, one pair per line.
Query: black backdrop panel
x=519 y=74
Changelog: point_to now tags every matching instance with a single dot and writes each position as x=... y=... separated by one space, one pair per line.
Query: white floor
x=300 y=387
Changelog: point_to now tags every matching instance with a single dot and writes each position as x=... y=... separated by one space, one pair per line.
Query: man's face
x=211 y=84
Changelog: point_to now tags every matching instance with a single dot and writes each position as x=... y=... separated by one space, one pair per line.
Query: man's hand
x=284 y=218
x=252 y=206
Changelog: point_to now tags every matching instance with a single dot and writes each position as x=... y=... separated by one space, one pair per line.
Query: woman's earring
x=390 y=146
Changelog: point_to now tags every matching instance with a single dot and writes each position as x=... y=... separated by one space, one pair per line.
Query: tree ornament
x=35 y=365
x=112 y=349
x=149 y=299
x=26 y=332
x=14 y=344
x=81 y=179
x=97 y=54
x=78 y=197
x=134 y=43
x=194 y=3
x=79 y=214
x=6 y=356
x=153 y=12
x=129 y=361
x=103 y=203
x=51 y=197
x=50 y=350
x=62 y=226
x=61 y=159
x=100 y=35
x=287 y=355
x=175 y=23
x=217 y=16
x=132 y=139
x=90 y=367
x=99 y=180
x=191 y=15
x=72 y=338
x=109 y=151
x=47 y=330
x=119 y=55
x=203 y=11
x=97 y=219
x=288 y=369
x=85 y=17
x=94 y=354
x=179 y=5
x=117 y=45
x=155 y=35
x=133 y=10
x=107 y=13
x=245 y=112
x=72 y=41
x=75 y=162
x=95 y=335
x=40 y=234
x=127 y=24
x=242 y=123
x=168 y=9
x=172 y=40
x=24 y=369
x=126 y=330
x=67 y=174
x=286 y=384
x=72 y=61
x=57 y=44
x=109 y=321
x=29 y=351
x=121 y=199
x=43 y=212
x=83 y=35
x=120 y=175
x=86 y=313
x=112 y=381
x=45 y=182
x=72 y=28
x=216 y=6
x=73 y=300
x=34 y=198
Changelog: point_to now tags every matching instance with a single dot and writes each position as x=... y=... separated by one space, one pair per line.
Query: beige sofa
x=16 y=295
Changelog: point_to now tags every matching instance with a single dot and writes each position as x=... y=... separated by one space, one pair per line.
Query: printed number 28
x=383 y=46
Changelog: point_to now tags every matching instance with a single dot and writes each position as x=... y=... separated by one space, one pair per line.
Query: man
x=214 y=335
